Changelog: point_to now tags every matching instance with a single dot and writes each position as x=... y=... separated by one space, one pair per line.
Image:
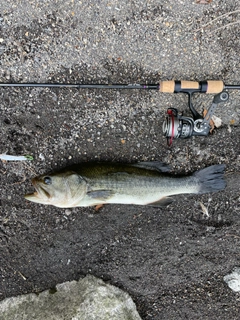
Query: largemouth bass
x=144 y=183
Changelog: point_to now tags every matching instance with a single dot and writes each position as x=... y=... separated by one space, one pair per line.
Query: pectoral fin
x=163 y=202
x=101 y=195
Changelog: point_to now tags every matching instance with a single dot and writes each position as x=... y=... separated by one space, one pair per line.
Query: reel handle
x=209 y=86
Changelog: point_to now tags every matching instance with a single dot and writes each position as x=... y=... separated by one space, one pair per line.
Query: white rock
x=41 y=156
x=87 y=299
x=217 y=121
x=233 y=280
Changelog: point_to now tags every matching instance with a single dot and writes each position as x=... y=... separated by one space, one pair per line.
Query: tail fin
x=211 y=178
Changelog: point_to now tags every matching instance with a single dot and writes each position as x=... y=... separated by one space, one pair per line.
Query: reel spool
x=176 y=126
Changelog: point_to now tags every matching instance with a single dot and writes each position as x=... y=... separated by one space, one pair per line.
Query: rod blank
x=163 y=86
x=83 y=86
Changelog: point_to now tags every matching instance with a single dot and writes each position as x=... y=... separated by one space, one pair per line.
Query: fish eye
x=47 y=180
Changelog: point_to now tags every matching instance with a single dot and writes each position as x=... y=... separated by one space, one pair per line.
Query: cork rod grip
x=210 y=86
x=167 y=86
x=214 y=86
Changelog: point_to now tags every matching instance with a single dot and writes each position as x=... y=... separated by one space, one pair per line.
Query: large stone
x=87 y=299
x=233 y=280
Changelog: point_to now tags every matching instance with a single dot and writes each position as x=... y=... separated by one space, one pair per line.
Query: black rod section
x=232 y=87
x=83 y=86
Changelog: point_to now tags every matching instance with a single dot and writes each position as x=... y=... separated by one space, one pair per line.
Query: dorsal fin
x=153 y=165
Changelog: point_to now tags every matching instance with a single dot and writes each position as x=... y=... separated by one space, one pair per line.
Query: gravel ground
x=171 y=261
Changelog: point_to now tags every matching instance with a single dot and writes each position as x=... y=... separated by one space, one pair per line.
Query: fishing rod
x=175 y=125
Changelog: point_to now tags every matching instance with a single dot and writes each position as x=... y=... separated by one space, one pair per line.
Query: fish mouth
x=39 y=192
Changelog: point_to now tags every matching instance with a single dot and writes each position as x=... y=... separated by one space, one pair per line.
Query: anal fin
x=163 y=202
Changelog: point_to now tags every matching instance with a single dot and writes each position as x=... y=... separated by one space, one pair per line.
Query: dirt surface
x=171 y=261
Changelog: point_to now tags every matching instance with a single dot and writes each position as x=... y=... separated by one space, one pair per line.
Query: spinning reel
x=178 y=126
